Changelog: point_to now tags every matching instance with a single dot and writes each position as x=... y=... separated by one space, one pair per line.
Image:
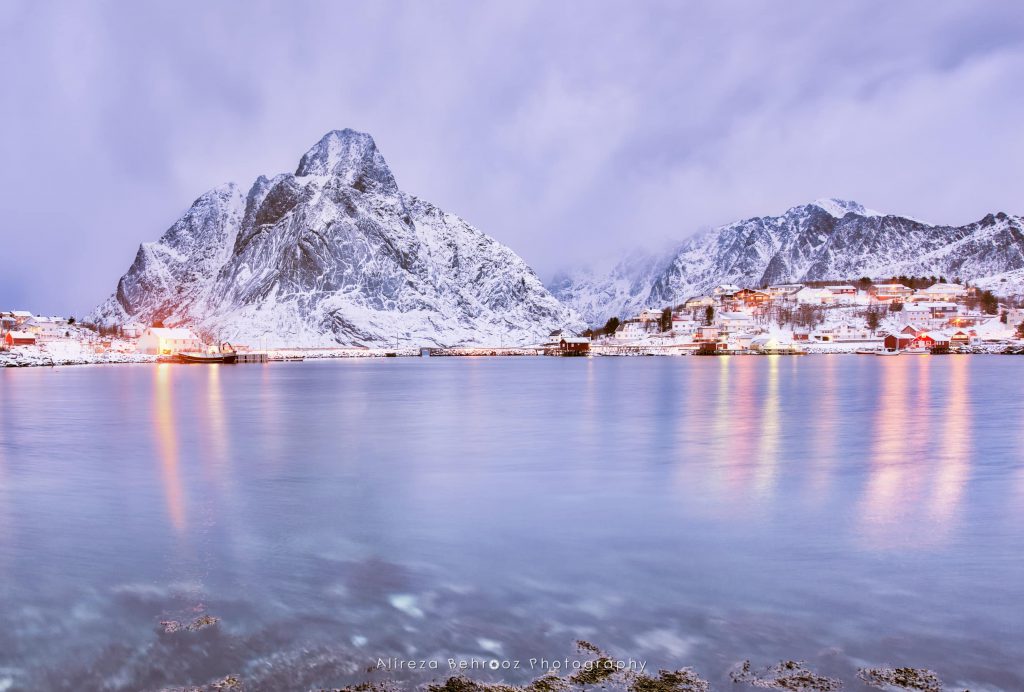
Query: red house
x=19 y=339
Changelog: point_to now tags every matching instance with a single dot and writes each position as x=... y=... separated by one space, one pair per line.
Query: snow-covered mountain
x=335 y=254
x=827 y=239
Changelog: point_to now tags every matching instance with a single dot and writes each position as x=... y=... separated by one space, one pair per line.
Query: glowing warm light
x=885 y=492
x=768 y=447
x=722 y=434
x=167 y=441
x=953 y=459
x=826 y=414
x=215 y=416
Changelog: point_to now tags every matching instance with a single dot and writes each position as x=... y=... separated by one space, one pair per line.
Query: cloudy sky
x=570 y=131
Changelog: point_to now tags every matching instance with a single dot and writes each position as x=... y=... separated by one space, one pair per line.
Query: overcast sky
x=568 y=130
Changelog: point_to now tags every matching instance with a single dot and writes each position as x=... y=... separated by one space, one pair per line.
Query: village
x=906 y=315
x=935 y=317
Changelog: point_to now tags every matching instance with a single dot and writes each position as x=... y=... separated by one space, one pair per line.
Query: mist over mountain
x=823 y=240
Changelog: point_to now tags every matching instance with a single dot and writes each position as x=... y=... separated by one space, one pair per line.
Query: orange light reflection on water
x=768 y=444
x=886 y=492
x=953 y=457
x=167 y=443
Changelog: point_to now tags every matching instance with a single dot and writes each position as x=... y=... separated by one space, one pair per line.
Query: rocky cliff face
x=335 y=254
x=828 y=239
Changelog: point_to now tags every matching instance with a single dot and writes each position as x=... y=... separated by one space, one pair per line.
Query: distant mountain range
x=825 y=240
x=337 y=254
x=334 y=254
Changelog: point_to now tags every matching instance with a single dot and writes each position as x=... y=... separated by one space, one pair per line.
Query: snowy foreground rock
x=826 y=240
x=334 y=255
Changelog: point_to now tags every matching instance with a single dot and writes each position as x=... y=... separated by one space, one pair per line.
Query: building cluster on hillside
x=784 y=318
x=20 y=328
x=793 y=317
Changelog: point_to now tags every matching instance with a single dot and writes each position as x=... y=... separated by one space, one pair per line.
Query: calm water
x=844 y=510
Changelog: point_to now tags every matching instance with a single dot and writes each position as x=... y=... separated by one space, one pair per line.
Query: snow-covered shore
x=27 y=356
x=30 y=356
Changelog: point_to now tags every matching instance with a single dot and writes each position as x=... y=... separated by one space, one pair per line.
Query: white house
x=733 y=320
x=631 y=329
x=897 y=292
x=844 y=294
x=783 y=289
x=725 y=290
x=814 y=296
x=699 y=303
x=168 y=341
x=945 y=292
x=21 y=316
x=46 y=327
x=133 y=330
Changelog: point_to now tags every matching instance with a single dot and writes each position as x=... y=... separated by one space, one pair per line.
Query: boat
x=196 y=357
x=225 y=353
x=887 y=352
x=867 y=351
x=917 y=351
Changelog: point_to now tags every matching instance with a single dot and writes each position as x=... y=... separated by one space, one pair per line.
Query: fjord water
x=843 y=510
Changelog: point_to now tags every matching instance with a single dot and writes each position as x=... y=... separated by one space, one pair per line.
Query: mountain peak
x=350 y=155
x=841 y=207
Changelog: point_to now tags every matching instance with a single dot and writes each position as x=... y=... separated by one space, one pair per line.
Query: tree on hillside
x=864 y=283
x=874 y=318
x=1020 y=330
x=71 y=320
x=895 y=306
x=666 y=319
x=989 y=303
x=610 y=326
x=709 y=315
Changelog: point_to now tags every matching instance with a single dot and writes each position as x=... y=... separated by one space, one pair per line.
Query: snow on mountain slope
x=828 y=239
x=335 y=254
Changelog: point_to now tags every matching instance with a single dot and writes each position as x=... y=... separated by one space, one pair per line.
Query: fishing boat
x=225 y=353
x=866 y=351
x=887 y=352
x=197 y=357
x=917 y=351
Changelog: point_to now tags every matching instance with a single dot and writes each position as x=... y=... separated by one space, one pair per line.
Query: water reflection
x=166 y=432
x=218 y=436
x=826 y=415
x=953 y=457
x=886 y=492
x=506 y=498
x=767 y=452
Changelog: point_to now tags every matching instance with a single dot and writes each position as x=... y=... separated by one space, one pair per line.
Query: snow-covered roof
x=576 y=340
x=945 y=288
x=21 y=313
x=21 y=335
x=178 y=333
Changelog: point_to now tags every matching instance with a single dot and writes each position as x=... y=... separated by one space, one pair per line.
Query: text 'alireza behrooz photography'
x=511 y=346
